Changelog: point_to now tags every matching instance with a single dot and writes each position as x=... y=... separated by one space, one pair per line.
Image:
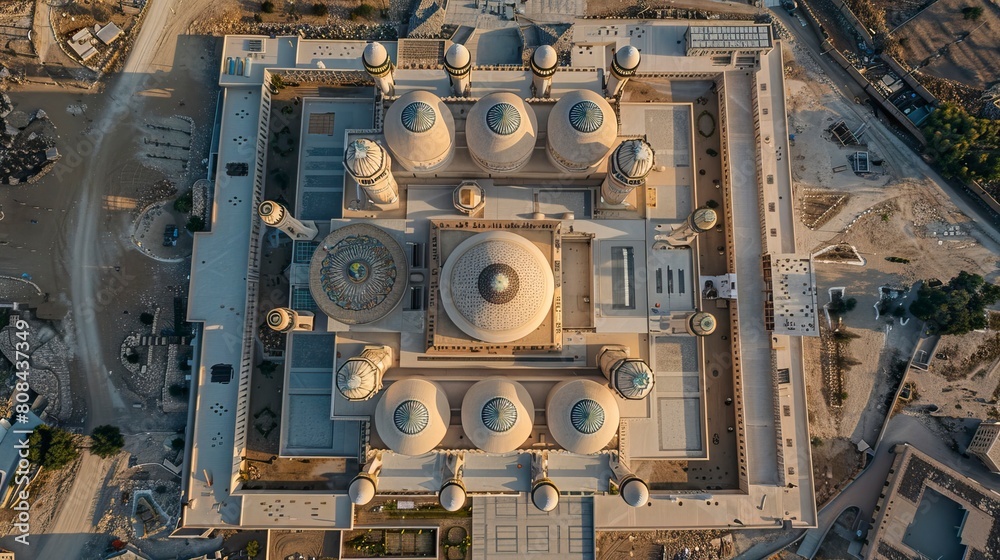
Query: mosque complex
x=508 y=282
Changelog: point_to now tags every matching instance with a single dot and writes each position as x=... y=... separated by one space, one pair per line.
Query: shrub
x=364 y=11
x=52 y=448
x=178 y=391
x=177 y=444
x=267 y=7
x=184 y=203
x=146 y=319
x=106 y=441
x=257 y=18
x=957 y=307
x=320 y=9
x=816 y=441
x=132 y=357
x=195 y=223
x=253 y=549
x=972 y=12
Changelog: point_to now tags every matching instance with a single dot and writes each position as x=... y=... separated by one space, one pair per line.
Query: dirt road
x=68 y=534
x=147 y=69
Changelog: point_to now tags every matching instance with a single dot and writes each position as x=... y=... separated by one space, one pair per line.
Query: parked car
x=170 y=235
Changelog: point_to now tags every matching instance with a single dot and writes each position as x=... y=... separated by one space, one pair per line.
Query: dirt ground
x=937 y=31
x=893 y=212
x=654 y=545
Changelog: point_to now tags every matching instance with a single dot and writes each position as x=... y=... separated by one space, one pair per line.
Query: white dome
x=582 y=130
x=497 y=415
x=627 y=58
x=458 y=56
x=582 y=415
x=362 y=490
x=703 y=219
x=375 y=54
x=364 y=159
x=412 y=416
x=358 y=379
x=452 y=496
x=544 y=59
x=632 y=378
x=281 y=319
x=420 y=131
x=501 y=130
x=635 y=492
x=633 y=159
x=545 y=495
x=497 y=287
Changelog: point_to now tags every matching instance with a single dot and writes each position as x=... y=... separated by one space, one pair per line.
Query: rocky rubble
x=27 y=143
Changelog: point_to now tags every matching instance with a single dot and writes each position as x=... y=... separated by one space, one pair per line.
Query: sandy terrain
x=974 y=61
x=897 y=211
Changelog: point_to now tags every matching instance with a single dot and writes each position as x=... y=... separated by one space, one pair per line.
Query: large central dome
x=497 y=287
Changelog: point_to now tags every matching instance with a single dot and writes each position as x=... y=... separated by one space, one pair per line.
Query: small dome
x=635 y=492
x=497 y=287
x=497 y=414
x=374 y=56
x=420 y=131
x=280 y=319
x=457 y=57
x=632 y=378
x=545 y=495
x=627 y=58
x=582 y=129
x=501 y=130
x=633 y=159
x=364 y=159
x=703 y=219
x=452 y=496
x=412 y=416
x=362 y=490
x=544 y=58
x=358 y=379
x=582 y=415
x=702 y=323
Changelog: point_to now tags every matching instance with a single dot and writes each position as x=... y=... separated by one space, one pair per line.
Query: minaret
x=623 y=66
x=544 y=62
x=359 y=378
x=458 y=64
x=632 y=489
x=283 y=319
x=452 y=495
x=701 y=323
x=700 y=221
x=364 y=486
x=544 y=492
x=369 y=164
x=379 y=66
x=628 y=166
x=631 y=378
x=277 y=216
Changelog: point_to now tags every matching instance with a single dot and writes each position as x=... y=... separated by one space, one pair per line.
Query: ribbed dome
x=358 y=274
x=703 y=219
x=452 y=496
x=457 y=56
x=270 y=212
x=412 y=416
x=501 y=130
x=358 y=379
x=632 y=378
x=633 y=159
x=364 y=158
x=362 y=490
x=280 y=319
x=635 y=492
x=544 y=58
x=582 y=128
x=497 y=414
x=628 y=57
x=420 y=131
x=375 y=54
x=702 y=323
x=582 y=415
x=545 y=495
x=497 y=287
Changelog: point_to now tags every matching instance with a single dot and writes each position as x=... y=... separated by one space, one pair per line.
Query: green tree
x=253 y=549
x=106 y=441
x=52 y=448
x=320 y=9
x=972 y=12
x=184 y=203
x=195 y=223
x=146 y=319
x=963 y=146
x=956 y=307
x=267 y=6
